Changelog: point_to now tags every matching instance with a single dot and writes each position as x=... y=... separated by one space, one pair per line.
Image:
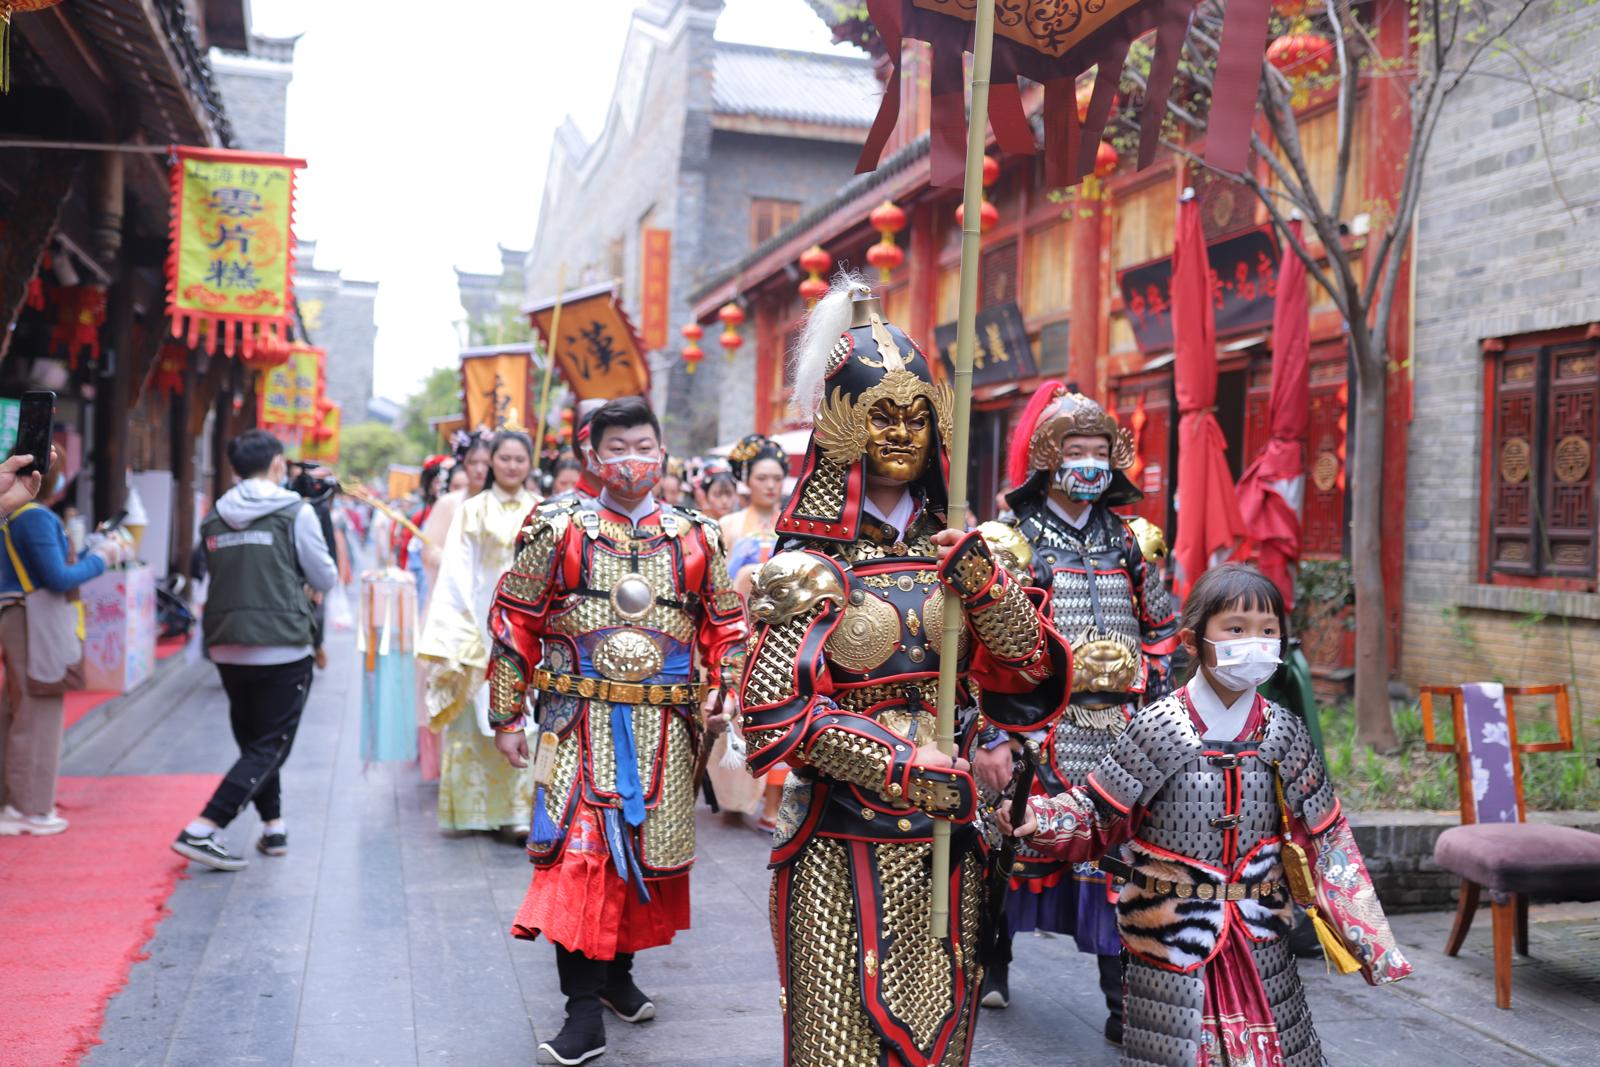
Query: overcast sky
x=427 y=130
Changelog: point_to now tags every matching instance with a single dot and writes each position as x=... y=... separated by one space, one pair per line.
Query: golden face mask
x=899 y=439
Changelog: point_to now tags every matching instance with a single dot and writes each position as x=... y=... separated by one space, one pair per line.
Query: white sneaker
x=13 y=822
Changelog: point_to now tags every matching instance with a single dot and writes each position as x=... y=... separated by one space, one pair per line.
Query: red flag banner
x=230 y=264
x=654 y=288
x=1272 y=487
x=1208 y=511
x=494 y=388
x=598 y=353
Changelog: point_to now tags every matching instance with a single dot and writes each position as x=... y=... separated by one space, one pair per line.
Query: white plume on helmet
x=808 y=360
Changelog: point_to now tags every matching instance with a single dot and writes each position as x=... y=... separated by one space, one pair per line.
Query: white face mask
x=1245 y=662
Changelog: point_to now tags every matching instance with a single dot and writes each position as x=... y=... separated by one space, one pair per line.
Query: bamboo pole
x=966 y=337
x=539 y=426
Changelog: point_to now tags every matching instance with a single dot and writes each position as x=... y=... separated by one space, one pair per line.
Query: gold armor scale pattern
x=850 y=758
x=771 y=675
x=669 y=831
x=562 y=776
x=824 y=492
x=827 y=1026
x=525 y=579
x=1010 y=628
x=916 y=984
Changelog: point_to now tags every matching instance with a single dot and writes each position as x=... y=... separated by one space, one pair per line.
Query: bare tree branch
x=1347 y=108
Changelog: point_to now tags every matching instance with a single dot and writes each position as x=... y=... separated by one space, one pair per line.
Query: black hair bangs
x=1232 y=586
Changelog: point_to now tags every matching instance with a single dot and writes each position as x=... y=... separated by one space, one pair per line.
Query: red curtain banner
x=1208 y=512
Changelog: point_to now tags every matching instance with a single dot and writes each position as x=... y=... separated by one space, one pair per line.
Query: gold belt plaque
x=628 y=656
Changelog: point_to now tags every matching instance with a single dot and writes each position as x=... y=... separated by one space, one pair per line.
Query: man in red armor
x=608 y=604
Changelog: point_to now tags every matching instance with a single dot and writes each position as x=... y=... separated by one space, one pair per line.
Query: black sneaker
x=1113 y=1030
x=273 y=844
x=578 y=1042
x=630 y=1004
x=209 y=851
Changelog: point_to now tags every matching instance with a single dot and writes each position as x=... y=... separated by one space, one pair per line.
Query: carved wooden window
x=768 y=218
x=997 y=279
x=1542 y=402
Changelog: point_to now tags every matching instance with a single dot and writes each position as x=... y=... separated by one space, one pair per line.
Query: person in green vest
x=264 y=549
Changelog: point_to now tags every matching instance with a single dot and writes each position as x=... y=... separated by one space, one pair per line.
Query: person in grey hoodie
x=265 y=552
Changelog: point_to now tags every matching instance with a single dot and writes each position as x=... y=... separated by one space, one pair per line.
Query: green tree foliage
x=367 y=449
x=440 y=395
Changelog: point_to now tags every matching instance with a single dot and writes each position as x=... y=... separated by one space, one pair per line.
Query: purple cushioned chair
x=1495 y=848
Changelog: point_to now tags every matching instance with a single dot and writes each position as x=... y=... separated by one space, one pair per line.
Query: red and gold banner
x=494 y=389
x=230 y=264
x=598 y=353
x=654 y=288
x=322 y=440
x=275 y=396
x=306 y=367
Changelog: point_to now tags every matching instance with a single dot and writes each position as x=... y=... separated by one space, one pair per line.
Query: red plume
x=1017 y=462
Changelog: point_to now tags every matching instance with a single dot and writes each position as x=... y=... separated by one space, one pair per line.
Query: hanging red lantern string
x=35 y=298
x=692 y=353
x=814 y=261
x=988 y=214
x=888 y=219
x=270 y=350
x=732 y=315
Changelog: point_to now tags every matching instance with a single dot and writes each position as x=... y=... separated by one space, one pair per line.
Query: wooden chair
x=1495 y=848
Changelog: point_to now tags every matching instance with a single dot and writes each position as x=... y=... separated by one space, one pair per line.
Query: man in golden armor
x=608 y=604
x=842 y=685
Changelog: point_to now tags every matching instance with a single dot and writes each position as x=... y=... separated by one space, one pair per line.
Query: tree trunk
x=1374 y=721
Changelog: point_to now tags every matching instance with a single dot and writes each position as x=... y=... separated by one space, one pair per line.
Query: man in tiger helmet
x=1104 y=596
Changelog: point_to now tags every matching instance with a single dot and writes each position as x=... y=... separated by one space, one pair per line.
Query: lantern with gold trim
x=888 y=218
x=1303 y=58
x=692 y=352
x=732 y=315
x=814 y=261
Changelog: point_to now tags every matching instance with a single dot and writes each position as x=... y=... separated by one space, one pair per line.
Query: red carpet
x=170 y=646
x=82 y=701
x=78 y=908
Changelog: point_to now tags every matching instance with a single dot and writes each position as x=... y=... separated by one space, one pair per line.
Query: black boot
x=1111 y=987
x=583 y=1035
x=996 y=992
x=621 y=995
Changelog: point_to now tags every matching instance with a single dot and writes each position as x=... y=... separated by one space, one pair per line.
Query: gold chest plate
x=633 y=602
x=867 y=634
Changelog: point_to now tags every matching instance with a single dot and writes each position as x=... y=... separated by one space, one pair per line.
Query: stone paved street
x=379 y=940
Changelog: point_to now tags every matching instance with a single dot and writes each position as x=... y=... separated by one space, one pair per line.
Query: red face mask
x=631 y=475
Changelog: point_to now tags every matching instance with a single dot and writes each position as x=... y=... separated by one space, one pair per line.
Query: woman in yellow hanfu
x=478 y=789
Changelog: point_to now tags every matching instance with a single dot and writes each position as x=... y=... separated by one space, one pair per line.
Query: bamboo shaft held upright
x=540 y=426
x=966 y=340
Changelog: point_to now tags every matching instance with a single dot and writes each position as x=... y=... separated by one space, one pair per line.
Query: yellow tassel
x=1333 y=947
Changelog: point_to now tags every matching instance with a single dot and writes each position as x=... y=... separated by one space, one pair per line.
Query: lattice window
x=997 y=281
x=768 y=218
x=1540 y=483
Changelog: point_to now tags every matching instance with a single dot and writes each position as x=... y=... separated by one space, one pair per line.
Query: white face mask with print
x=1245 y=662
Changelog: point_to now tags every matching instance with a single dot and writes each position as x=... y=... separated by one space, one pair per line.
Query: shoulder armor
x=1009 y=547
x=1152 y=540
x=555 y=517
x=793 y=584
x=676 y=520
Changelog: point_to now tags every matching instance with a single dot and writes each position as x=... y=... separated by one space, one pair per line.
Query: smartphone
x=35 y=430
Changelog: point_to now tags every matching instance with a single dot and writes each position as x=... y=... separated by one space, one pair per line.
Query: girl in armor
x=842 y=686
x=1230 y=819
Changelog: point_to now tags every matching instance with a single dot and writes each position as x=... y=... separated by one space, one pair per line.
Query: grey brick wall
x=338 y=314
x=1508 y=242
x=255 y=92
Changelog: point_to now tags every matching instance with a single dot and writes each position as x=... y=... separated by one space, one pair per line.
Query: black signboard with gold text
x=1244 y=279
x=1003 y=353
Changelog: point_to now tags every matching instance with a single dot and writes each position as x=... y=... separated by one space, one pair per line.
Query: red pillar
x=1083 y=332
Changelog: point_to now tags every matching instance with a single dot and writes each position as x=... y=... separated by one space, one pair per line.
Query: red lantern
x=692 y=333
x=168 y=379
x=814 y=261
x=988 y=215
x=1105 y=160
x=731 y=315
x=566 y=415
x=692 y=355
x=80 y=312
x=270 y=350
x=991 y=171
x=888 y=218
x=1302 y=58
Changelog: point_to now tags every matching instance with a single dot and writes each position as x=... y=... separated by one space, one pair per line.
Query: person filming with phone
x=40 y=639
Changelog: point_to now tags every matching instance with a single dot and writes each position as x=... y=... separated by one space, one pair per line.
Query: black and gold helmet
x=849 y=358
